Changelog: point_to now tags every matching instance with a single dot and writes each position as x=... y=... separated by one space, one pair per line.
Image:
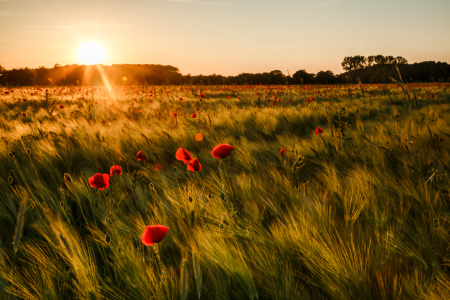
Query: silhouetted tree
x=303 y=77
x=325 y=77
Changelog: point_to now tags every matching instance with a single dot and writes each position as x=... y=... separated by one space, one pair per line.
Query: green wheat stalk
x=197 y=274
x=19 y=224
x=184 y=280
x=65 y=244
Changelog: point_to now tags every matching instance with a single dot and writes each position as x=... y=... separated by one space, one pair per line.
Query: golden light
x=91 y=53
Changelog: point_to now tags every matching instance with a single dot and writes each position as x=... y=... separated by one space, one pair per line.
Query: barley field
x=330 y=192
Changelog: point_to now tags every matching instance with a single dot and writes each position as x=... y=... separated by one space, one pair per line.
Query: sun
x=91 y=53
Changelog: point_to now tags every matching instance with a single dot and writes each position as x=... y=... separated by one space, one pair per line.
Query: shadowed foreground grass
x=362 y=214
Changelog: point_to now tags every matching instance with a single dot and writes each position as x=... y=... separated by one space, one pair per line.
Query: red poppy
x=181 y=98
x=194 y=115
x=318 y=131
x=312 y=99
x=222 y=150
x=202 y=95
x=329 y=96
x=174 y=114
x=273 y=103
x=158 y=167
x=24 y=115
x=194 y=165
x=153 y=234
x=61 y=106
x=289 y=101
x=115 y=170
x=139 y=111
x=197 y=109
x=183 y=155
x=6 y=93
x=140 y=156
x=431 y=96
x=282 y=152
x=440 y=140
x=100 y=181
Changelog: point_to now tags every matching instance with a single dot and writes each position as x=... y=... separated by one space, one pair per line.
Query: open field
x=361 y=211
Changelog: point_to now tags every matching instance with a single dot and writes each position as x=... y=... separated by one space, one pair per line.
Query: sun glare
x=91 y=53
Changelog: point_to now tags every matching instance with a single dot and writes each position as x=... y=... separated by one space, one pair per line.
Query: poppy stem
x=162 y=272
x=326 y=145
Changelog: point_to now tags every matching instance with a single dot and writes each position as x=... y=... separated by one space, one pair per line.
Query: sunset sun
x=91 y=53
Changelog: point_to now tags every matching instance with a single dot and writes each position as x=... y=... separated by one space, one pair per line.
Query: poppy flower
x=183 y=155
x=312 y=99
x=115 y=170
x=431 y=96
x=61 y=106
x=24 y=115
x=194 y=165
x=282 y=152
x=153 y=234
x=222 y=150
x=139 y=111
x=174 y=114
x=197 y=109
x=140 y=156
x=100 y=181
x=318 y=131
x=440 y=140
x=181 y=98
x=158 y=167
x=194 y=115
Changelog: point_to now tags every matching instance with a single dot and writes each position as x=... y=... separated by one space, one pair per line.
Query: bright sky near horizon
x=225 y=37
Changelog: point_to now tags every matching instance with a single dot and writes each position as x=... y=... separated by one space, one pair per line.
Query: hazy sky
x=225 y=37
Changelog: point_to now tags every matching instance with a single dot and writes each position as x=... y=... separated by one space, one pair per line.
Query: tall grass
x=364 y=215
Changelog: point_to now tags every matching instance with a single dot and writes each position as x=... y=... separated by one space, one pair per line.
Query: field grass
x=361 y=211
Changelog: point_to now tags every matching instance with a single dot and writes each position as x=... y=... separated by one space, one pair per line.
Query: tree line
x=357 y=62
x=372 y=69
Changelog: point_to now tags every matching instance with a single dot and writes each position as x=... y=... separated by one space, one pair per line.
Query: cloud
x=201 y=2
x=324 y=3
x=80 y=25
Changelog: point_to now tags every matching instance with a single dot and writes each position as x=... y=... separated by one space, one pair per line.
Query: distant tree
x=326 y=77
x=351 y=63
x=303 y=77
x=401 y=60
x=277 y=77
x=381 y=60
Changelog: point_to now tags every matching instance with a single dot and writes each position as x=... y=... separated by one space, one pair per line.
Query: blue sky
x=224 y=36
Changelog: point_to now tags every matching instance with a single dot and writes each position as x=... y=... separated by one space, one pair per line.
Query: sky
x=226 y=37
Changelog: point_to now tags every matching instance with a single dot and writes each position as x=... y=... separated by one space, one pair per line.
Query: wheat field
x=360 y=211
